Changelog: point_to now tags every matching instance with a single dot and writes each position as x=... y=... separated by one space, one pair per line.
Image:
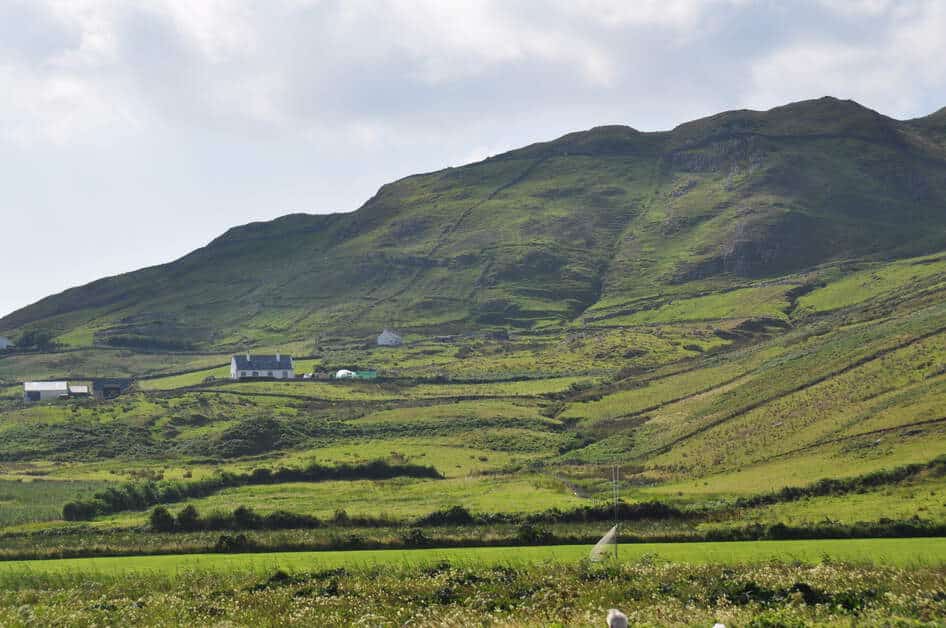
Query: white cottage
x=5 y=343
x=389 y=339
x=247 y=366
x=44 y=391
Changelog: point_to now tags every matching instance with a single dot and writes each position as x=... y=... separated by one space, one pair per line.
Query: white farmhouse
x=44 y=391
x=389 y=339
x=5 y=343
x=275 y=366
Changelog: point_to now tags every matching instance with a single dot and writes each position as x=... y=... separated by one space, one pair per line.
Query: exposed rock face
x=761 y=248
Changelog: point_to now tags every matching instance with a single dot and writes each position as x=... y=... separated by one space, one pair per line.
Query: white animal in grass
x=616 y=619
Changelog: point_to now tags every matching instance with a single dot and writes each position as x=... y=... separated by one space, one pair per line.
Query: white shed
x=79 y=390
x=389 y=339
x=44 y=391
x=344 y=374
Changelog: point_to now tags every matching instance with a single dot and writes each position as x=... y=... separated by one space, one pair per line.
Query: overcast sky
x=132 y=132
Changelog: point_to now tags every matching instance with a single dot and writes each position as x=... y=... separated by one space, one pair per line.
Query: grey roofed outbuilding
x=263 y=362
x=46 y=387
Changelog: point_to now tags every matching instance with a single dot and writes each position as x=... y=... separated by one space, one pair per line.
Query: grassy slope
x=705 y=380
x=845 y=390
x=609 y=223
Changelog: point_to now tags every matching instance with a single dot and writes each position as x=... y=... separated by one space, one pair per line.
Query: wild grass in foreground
x=651 y=592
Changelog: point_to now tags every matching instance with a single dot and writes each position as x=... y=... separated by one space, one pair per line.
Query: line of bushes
x=234 y=527
x=142 y=495
x=860 y=483
x=459 y=516
x=243 y=518
x=882 y=528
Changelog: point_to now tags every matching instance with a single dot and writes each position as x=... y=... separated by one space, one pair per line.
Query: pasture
x=879 y=552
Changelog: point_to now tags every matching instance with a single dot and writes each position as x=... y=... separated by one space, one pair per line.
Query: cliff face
x=543 y=234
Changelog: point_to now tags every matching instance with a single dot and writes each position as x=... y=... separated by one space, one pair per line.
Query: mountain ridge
x=543 y=234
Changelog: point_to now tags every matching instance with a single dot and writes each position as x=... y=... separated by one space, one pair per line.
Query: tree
x=161 y=520
x=188 y=519
x=36 y=339
x=80 y=510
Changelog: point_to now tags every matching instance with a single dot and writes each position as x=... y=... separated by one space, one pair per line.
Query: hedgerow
x=141 y=495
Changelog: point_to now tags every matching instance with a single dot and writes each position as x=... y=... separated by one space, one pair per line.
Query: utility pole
x=615 y=477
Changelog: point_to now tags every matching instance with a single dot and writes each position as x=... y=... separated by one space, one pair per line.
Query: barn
x=44 y=391
x=248 y=366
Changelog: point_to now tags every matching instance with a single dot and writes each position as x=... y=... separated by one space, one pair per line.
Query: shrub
x=161 y=520
x=529 y=534
x=416 y=538
x=245 y=518
x=188 y=519
x=80 y=510
x=456 y=516
x=238 y=543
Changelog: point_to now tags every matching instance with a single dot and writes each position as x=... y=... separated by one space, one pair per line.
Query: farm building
x=247 y=366
x=44 y=391
x=389 y=339
x=79 y=391
x=344 y=374
x=103 y=389
x=5 y=343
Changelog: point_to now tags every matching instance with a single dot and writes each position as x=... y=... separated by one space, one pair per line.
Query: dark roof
x=263 y=362
x=120 y=383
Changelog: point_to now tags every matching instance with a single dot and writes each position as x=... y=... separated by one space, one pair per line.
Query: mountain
x=595 y=224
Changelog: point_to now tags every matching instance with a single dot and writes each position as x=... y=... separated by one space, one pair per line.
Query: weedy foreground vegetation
x=652 y=592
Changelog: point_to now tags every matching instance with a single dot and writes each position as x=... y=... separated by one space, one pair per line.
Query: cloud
x=894 y=70
x=185 y=118
x=315 y=67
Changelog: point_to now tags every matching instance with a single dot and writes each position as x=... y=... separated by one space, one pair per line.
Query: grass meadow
x=39 y=500
x=880 y=552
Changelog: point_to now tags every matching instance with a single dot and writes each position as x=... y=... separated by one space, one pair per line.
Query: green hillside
x=595 y=225
x=733 y=312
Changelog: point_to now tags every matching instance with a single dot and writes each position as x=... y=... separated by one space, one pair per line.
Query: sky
x=132 y=132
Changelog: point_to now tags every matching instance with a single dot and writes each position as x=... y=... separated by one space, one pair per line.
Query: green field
x=893 y=552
